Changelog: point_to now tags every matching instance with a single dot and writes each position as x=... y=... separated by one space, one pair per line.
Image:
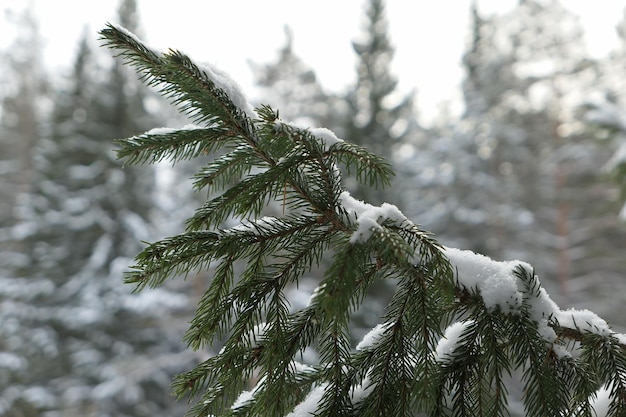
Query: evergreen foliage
x=456 y=327
x=291 y=86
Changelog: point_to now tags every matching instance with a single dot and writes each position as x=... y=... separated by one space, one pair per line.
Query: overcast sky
x=428 y=36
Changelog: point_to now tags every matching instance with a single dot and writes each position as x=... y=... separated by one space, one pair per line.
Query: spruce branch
x=230 y=167
x=175 y=145
x=195 y=89
x=370 y=170
x=172 y=257
x=457 y=324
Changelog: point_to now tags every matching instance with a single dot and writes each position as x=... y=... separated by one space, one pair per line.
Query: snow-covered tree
x=607 y=109
x=456 y=326
x=519 y=171
x=74 y=337
x=379 y=117
x=23 y=90
x=569 y=198
x=290 y=80
x=23 y=84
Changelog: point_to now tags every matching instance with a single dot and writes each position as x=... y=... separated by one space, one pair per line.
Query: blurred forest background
x=533 y=169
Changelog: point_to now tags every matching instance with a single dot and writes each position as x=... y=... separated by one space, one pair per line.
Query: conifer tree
x=611 y=118
x=290 y=80
x=518 y=170
x=609 y=110
x=23 y=90
x=73 y=336
x=456 y=326
x=379 y=118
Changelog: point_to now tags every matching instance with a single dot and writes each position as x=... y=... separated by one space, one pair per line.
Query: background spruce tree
x=25 y=89
x=74 y=338
x=518 y=174
x=456 y=326
x=608 y=110
x=288 y=79
x=379 y=118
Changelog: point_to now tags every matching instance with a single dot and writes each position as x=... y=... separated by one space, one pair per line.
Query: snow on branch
x=326 y=137
x=310 y=405
x=500 y=287
x=495 y=281
x=373 y=336
x=156 y=51
x=181 y=76
x=369 y=218
x=221 y=80
x=498 y=306
x=451 y=339
x=225 y=83
x=163 y=131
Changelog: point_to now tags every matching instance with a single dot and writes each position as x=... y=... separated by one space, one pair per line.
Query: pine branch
x=456 y=325
x=176 y=145
x=544 y=394
x=607 y=356
x=196 y=89
x=172 y=257
x=370 y=170
x=227 y=169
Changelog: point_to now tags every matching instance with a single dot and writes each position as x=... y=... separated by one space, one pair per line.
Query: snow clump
x=369 y=217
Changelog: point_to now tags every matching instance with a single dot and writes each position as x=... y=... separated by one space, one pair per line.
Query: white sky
x=428 y=36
